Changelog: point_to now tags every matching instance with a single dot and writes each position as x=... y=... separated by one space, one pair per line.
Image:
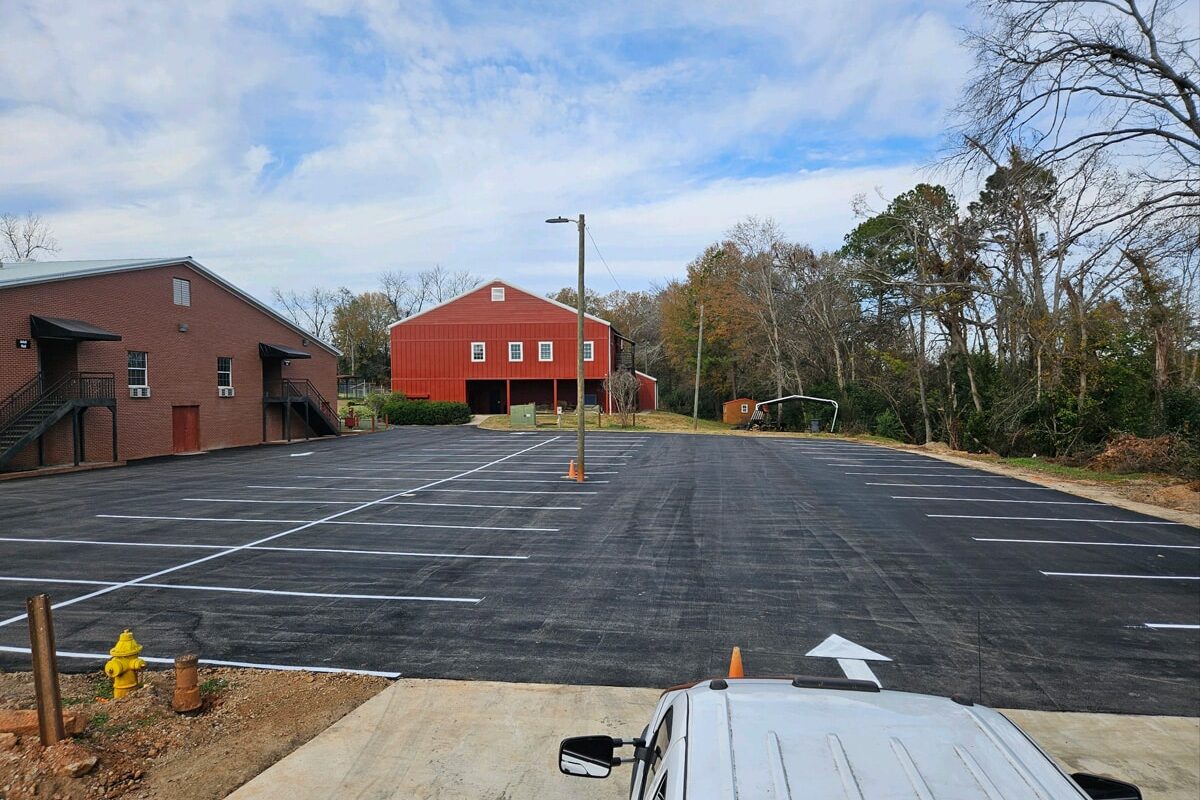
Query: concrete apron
x=499 y=741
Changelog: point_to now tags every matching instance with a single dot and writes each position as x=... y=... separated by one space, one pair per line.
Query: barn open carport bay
x=460 y=553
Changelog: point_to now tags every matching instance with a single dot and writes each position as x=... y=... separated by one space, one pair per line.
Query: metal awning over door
x=266 y=350
x=72 y=329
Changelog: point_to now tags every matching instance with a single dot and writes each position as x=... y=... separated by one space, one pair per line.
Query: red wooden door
x=185 y=428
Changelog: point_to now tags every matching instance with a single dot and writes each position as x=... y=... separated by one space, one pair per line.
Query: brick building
x=498 y=345
x=122 y=360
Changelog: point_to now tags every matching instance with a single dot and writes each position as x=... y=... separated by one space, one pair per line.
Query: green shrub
x=399 y=410
x=886 y=424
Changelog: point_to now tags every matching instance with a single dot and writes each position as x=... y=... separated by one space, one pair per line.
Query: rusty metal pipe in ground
x=187 y=684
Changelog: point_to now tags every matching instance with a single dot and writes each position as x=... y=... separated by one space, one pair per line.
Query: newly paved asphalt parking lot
x=461 y=553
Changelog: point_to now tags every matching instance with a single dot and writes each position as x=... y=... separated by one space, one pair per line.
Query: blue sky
x=289 y=143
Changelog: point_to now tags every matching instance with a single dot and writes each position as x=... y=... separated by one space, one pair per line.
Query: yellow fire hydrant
x=125 y=668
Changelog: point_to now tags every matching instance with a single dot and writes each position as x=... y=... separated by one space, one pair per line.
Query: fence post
x=45 y=670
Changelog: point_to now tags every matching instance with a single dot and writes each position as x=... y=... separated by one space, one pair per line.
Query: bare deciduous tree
x=311 y=310
x=622 y=389
x=1067 y=80
x=25 y=238
x=411 y=293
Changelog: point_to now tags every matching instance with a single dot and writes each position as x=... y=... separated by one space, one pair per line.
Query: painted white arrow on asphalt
x=851 y=657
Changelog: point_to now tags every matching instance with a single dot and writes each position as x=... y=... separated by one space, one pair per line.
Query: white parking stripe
x=242 y=590
x=1058 y=519
x=388 y=503
x=964 y=486
x=498 y=491
x=411 y=554
x=264 y=540
x=473 y=480
x=330 y=522
x=1000 y=500
x=1092 y=544
x=928 y=474
x=214 y=662
x=1158 y=626
x=1109 y=575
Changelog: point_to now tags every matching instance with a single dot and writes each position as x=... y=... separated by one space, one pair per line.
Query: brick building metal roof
x=24 y=273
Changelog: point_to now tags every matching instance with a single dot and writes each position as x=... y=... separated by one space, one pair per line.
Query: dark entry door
x=185 y=428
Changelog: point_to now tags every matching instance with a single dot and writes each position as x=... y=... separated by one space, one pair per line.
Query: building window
x=181 y=290
x=137 y=368
x=224 y=371
x=516 y=351
x=545 y=351
x=589 y=351
x=497 y=294
x=478 y=351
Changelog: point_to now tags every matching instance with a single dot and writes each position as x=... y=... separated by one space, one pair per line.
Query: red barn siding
x=431 y=352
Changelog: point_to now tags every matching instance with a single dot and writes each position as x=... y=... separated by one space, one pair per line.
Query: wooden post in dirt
x=45 y=670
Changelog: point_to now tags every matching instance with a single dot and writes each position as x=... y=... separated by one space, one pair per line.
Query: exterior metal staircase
x=34 y=408
x=301 y=395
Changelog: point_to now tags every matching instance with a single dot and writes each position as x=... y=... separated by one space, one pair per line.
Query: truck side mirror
x=586 y=756
x=1099 y=788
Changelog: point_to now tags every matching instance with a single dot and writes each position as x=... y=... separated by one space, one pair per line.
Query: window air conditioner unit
x=139 y=391
x=224 y=391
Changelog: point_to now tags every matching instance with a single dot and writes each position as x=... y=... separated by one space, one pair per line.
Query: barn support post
x=507 y=396
x=554 y=395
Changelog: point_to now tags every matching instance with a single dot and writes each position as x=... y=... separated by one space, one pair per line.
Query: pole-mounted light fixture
x=579 y=408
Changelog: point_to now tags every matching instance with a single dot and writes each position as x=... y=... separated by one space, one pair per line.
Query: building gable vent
x=497 y=294
x=224 y=391
x=139 y=391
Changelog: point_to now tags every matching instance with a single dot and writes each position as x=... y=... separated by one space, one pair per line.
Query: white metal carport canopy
x=833 y=422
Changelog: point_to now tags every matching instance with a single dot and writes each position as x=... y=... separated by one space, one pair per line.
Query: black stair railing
x=296 y=389
x=19 y=401
x=71 y=386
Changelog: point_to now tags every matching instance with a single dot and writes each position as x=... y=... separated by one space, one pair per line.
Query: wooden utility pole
x=45 y=670
x=579 y=408
x=696 y=392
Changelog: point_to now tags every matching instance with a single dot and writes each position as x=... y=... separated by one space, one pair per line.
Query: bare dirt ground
x=250 y=719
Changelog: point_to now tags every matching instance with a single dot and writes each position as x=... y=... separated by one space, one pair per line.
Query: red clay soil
x=137 y=747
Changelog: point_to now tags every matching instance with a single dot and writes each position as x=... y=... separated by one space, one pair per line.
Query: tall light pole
x=579 y=413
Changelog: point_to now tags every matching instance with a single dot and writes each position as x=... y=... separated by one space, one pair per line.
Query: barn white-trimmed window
x=516 y=351
x=478 y=351
x=545 y=351
x=589 y=351
x=181 y=291
x=745 y=408
x=497 y=294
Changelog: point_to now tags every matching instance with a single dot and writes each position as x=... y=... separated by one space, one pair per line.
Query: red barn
x=499 y=345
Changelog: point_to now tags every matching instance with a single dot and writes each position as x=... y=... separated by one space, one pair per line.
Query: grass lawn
x=1081 y=473
x=660 y=421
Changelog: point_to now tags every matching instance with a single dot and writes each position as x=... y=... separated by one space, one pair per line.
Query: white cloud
x=287 y=143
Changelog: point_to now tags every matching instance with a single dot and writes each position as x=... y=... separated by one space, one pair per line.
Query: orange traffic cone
x=735 y=664
x=571 y=472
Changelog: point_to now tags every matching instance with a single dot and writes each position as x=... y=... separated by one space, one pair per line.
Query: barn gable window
x=497 y=294
x=478 y=351
x=545 y=351
x=516 y=351
x=589 y=351
x=181 y=291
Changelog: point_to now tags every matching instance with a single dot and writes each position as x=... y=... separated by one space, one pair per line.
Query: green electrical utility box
x=523 y=416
